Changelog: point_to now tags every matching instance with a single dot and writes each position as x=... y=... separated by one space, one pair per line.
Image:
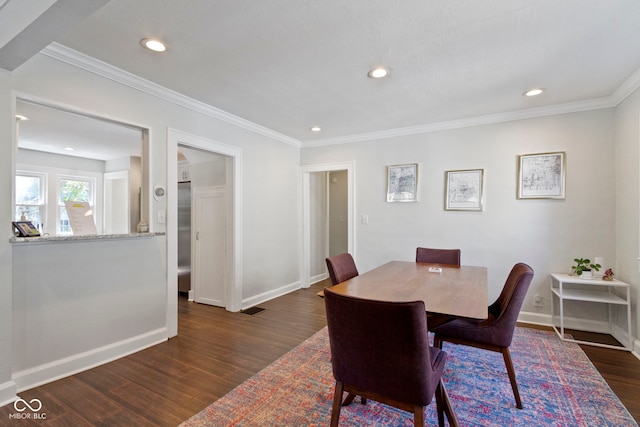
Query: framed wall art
x=464 y=190
x=541 y=176
x=402 y=183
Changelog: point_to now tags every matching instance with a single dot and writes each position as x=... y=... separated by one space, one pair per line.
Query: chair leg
x=418 y=416
x=446 y=404
x=347 y=400
x=512 y=375
x=337 y=404
x=440 y=405
x=437 y=342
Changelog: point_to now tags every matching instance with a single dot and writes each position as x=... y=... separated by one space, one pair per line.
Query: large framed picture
x=464 y=190
x=541 y=176
x=402 y=183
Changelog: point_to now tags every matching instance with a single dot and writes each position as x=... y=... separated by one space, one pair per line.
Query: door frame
x=234 y=285
x=305 y=172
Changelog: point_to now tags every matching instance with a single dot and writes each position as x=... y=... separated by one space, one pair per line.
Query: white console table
x=607 y=292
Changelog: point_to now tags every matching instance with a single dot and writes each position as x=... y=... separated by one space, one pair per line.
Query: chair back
x=506 y=308
x=382 y=347
x=341 y=267
x=449 y=257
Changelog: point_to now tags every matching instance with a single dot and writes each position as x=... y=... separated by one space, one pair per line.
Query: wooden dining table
x=455 y=291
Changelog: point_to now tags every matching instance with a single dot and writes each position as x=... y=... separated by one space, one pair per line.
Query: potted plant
x=583 y=268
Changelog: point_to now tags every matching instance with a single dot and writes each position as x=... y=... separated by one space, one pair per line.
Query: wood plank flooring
x=214 y=352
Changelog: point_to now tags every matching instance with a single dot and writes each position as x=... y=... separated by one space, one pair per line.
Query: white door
x=208 y=264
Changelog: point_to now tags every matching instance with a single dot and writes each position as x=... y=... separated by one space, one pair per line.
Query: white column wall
x=7 y=124
x=627 y=167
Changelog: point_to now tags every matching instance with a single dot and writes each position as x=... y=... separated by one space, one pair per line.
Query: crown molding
x=80 y=60
x=103 y=69
x=596 y=104
x=626 y=88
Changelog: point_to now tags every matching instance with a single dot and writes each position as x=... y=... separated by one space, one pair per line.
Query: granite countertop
x=91 y=237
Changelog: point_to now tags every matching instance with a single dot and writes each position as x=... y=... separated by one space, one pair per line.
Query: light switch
x=162 y=218
x=365 y=219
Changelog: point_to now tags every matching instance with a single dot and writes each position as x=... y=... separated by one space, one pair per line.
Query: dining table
x=449 y=290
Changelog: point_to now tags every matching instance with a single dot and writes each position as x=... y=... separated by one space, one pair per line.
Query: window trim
x=43 y=177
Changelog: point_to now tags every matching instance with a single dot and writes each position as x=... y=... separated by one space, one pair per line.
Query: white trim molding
x=49 y=372
x=85 y=62
x=95 y=66
x=7 y=393
x=305 y=171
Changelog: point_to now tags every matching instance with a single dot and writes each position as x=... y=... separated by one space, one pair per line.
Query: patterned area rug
x=558 y=384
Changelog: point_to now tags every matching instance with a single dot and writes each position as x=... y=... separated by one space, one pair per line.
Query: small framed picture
x=402 y=183
x=541 y=176
x=26 y=229
x=464 y=190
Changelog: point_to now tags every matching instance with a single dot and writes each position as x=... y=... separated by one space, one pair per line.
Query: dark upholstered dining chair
x=496 y=332
x=448 y=257
x=380 y=350
x=341 y=267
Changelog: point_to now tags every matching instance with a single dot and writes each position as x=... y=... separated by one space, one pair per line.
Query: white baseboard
x=582 y=325
x=318 y=278
x=534 y=318
x=569 y=322
x=636 y=349
x=8 y=393
x=266 y=296
x=52 y=371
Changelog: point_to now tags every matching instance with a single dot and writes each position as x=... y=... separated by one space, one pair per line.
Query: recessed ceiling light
x=21 y=117
x=316 y=129
x=533 y=92
x=69 y=148
x=378 y=73
x=153 y=44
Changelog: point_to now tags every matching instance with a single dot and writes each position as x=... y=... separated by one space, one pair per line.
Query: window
x=41 y=193
x=30 y=197
x=72 y=189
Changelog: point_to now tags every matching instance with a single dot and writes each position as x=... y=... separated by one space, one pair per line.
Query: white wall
x=338 y=212
x=546 y=234
x=270 y=226
x=72 y=307
x=627 y=161
x=7 y=126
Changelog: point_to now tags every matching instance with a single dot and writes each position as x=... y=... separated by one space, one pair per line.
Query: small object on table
x=608 y=275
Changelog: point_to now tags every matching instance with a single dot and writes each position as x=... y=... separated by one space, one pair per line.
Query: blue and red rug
x=558 y=384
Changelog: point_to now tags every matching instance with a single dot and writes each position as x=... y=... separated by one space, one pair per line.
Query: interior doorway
x=232 y=178
x=314 y=249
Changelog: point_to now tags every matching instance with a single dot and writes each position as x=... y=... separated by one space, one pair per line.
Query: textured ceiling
x=290 y=64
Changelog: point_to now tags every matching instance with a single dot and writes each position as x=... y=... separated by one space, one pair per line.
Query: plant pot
x=586 y=274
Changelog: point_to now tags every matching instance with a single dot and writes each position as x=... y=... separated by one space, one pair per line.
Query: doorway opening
x=315 y=248
x=223 y=182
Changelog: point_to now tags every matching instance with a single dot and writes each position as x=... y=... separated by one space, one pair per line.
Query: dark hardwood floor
x=215 y=351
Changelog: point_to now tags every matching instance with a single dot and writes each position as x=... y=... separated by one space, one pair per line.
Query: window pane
x=27 y=190
x=75 y=191
x=31 y=213
x=64 y=226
